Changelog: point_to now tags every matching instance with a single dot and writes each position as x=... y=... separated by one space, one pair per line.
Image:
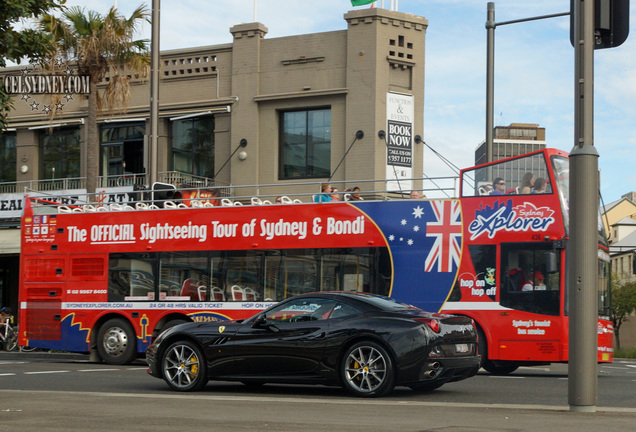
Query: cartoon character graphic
x=490 y=276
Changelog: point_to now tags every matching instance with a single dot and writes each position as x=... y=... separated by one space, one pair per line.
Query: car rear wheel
x=184 y=367
x=367 y=370
x=117 y=342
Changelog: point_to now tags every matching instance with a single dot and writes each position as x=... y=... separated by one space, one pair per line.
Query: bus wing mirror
x=551 y=262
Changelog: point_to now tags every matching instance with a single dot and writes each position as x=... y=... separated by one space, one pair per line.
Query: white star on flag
x=418 y=212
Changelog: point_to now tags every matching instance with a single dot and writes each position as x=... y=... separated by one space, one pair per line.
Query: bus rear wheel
x=117 y=342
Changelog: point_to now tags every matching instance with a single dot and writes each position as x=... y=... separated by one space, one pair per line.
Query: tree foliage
x=16 y=45
x=623 y=304
x=101 y=45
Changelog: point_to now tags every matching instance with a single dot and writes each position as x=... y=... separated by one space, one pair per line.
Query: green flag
x=361 y=2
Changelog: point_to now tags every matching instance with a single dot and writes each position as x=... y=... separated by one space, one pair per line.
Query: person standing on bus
x=499 y=186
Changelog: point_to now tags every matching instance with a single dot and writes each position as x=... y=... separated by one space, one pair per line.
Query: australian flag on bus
x=424 y=239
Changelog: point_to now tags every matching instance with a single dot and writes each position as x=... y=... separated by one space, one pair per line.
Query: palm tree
x=101 y=45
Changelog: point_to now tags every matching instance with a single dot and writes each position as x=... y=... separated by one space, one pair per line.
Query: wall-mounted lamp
x=243 y=155
x=418 y=139
x=24 y=169
x=381 y=134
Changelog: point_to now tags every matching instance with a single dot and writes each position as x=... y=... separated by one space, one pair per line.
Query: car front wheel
x=184 y=367
x=367 y=370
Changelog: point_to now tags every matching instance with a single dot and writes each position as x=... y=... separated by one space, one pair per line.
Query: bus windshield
x=562 y=177
x=516 y=176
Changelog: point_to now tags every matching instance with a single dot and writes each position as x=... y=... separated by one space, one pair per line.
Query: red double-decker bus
x=106 y=281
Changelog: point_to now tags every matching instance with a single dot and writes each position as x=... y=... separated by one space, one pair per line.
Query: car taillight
x=431 y=322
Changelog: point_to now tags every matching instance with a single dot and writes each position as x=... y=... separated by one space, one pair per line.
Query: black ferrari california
x=365 y=343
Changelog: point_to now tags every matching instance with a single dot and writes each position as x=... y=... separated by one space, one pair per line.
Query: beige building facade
x=297 y=103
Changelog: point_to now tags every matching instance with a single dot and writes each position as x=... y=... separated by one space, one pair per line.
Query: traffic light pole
x=582 y=248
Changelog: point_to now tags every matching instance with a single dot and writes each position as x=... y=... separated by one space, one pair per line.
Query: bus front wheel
x=489 y=365
x=116 y=342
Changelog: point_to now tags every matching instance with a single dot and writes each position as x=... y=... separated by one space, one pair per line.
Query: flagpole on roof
x=255 y=7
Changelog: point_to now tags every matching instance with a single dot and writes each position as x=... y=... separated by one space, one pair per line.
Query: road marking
x=138 y=368
x=7 y=374
x=45 y=372
x=96 y=370
x=324 y=401
x=508 y=377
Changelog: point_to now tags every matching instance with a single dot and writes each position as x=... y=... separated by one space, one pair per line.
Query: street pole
x=154 y=94
x=582 y=248
x=490 y=69
x=490 y=79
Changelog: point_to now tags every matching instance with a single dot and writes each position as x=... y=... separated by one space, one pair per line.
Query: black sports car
x=366 y=343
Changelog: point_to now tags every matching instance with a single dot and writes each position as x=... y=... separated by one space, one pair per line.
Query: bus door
x=531 y=287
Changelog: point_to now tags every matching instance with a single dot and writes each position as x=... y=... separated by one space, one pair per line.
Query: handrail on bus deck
x=207 y=192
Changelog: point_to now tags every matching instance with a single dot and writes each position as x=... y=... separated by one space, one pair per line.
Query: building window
x=193 y=146
x=60 y=154
x=122 y=149
x=7 y=157
x=305 y=147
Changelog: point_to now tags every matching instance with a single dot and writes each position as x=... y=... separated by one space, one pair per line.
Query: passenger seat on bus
x=189 y=289
x=237 y=293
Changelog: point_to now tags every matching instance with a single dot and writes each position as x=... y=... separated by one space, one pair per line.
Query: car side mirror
x=260 y=321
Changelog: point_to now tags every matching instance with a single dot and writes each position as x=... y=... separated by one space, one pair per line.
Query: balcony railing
x=180 y=180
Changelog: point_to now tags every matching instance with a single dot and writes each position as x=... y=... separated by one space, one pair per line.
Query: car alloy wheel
x=184 y=367
x=367 y=370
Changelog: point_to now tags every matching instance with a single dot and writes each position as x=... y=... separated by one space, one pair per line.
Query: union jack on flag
x=447 y=231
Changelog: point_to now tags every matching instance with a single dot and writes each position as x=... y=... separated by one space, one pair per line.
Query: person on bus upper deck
x=527 y=182
x=355 y=194
x=540 y=186
x=325 y=195
x=335 y=195
x=415 y=194
x=499 y=186
x=536 y=282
